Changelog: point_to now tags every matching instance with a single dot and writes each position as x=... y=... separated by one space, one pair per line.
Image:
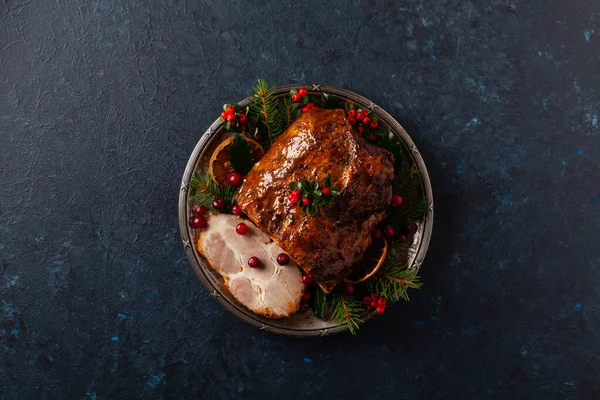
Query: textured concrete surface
x=102 y=102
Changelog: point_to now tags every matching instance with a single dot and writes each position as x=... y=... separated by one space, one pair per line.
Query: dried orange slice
x=219 y=166
x=371 y=262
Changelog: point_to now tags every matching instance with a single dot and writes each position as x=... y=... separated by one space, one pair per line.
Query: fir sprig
x=394 y=278
x=292 y=110
x=407 y=183
x=346 y=309
x=206 y=191
x=265 y=109
x=411 y=210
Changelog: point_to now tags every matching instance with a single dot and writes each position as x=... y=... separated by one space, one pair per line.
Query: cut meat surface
x=271 y=289
x=320 y=143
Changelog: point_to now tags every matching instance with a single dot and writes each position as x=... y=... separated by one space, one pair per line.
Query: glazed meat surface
x=320 y=143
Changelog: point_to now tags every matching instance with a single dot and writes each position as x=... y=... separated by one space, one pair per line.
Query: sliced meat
x=271 y=289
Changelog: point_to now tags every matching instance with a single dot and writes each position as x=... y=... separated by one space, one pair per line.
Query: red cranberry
x=366 y=120
x=376 y=234
x=236 y=210
x=303 y=307
x=230 y=117
x=296 y=192
x=253 y=262
x=198 y=222
x=408 y=228
x=381 y=302
x=374 y=125
x=397 y=200
x=352 y=121
x=242 y=117
x=305 y=201
x=235 y=179
x=349 y=289
x=388 y=232
x=305 y=109
x=360 y=116
x=373 y=304
x=224 y=115
x=325 y=191
x=218 y=204
x=200 y=210
x=283 y=259
x=361 y=130
x=230 y=109
x=302 y=92
x=352 y=113
x=380 y=310
x=367 y=300
x=310 y=105
x=296 y=97
x=306 y=297
x=375 y=296
x=402 y=239
x=241 y=228
x=307 y=279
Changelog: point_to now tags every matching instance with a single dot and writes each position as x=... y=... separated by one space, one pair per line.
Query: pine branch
x=291 y=109
x=346 y=309
x=265 y=109
x=395 y=278
x=206 y=191
x=408 y=181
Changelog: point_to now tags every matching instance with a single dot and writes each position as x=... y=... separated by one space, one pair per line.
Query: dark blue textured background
x=102 y=102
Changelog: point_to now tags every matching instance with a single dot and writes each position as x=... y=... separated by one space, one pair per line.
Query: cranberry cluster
x=401 y=234
x=301 y=96
x=198 y=221
x=294 y=197
x=375 y=302
x=234 y=117
x=362 y=120
x=388 y=231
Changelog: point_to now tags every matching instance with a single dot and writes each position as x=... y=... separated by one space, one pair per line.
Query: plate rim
x=198 y=263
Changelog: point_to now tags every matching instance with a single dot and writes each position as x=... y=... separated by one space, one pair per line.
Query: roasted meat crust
x=320 y=143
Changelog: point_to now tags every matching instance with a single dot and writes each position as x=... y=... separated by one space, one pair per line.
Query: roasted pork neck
x=320 y=143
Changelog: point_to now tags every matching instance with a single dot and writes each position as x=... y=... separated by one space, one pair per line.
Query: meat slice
x=320 y=143
x=271 y=289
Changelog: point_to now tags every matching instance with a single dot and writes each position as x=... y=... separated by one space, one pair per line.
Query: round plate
x=299 y=325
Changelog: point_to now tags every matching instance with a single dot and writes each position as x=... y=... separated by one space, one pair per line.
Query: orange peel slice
x=371 y=262
x=219 y=166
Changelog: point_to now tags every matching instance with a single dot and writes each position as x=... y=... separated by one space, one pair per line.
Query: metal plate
x=299 y=325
